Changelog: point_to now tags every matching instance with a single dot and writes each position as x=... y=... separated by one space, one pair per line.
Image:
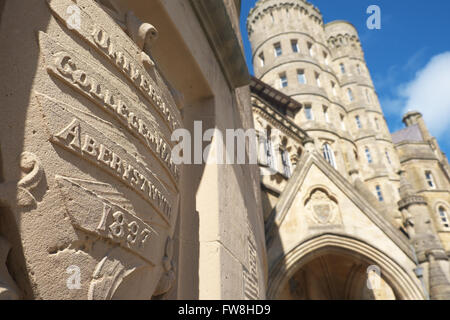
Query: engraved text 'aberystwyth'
x=81 y=76
x=72 y=133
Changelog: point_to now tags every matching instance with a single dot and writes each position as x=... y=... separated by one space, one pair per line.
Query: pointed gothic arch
x=402 y=283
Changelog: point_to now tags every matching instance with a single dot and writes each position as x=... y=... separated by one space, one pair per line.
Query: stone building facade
x=94 y=204
x=362 y=205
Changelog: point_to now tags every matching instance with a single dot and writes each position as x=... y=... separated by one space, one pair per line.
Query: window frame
x=309 y=115
x=429 y=178
x=303 y=74
x=379 y=193
x=294 y=46
x=368 y=155
x=328 y=155
x=283 y=80
x=278 y=49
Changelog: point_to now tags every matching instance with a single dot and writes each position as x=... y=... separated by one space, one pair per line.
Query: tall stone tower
x=323 y=68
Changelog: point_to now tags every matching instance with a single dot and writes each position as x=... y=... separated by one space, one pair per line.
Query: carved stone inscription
x=72 y=133
x=94 y=214
x=82 y=77
x=127 y=57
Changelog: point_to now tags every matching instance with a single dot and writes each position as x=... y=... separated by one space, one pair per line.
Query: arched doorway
x=336 y=267
x=336 y=275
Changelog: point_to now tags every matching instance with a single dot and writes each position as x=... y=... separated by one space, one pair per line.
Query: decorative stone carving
x=323 y=209
x=21 y=191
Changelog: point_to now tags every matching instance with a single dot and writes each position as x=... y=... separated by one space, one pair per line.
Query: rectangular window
x=350 y=95
x=377 y=124
x=358 y=68
x=325 y=58
x=430 y=179
x=294 y=44
x=271 y=160
x=379 y=194
x=343 y=122
x=319 y=84
x=263 y=149
x=333 y=88
x=342 y=67
x=308 y=112
x=325 y=114
x=262 y=61
x=286 y=163
x=283 y=80
x=277 y=48
x=310 y=49
x=358 y=122
x=301 y=76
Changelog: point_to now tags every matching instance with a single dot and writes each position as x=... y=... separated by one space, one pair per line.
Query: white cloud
x=429 y=93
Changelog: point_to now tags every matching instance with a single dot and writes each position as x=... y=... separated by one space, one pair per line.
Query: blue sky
x=409 y=58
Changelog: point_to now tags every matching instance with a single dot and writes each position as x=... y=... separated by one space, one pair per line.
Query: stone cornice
x=411 y=200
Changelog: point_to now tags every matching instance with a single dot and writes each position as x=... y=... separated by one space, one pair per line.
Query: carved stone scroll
x=19 y=194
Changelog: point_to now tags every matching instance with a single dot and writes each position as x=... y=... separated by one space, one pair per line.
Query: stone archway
x=353 y=257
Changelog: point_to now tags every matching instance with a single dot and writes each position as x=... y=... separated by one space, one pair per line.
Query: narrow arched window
x=430 y=179
x=388 y=157
x=444 y=218
x=328 y=154
x=379 y=194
